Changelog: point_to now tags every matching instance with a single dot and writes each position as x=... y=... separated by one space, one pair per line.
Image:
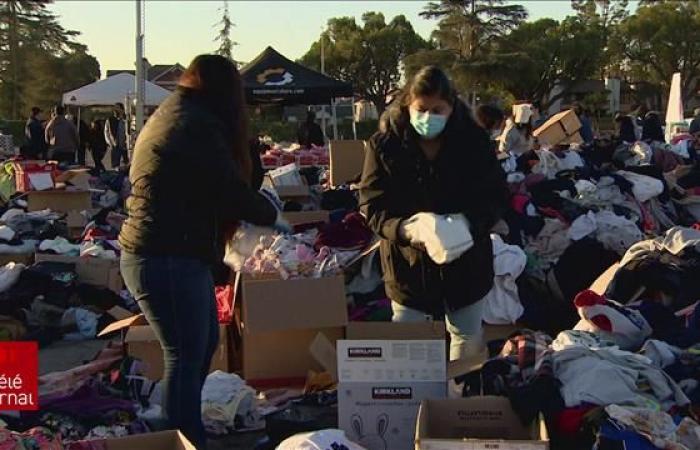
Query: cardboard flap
x=136 y=320
x=396 y=331
x=306 y=217
x=119 y=313
x=324 y=353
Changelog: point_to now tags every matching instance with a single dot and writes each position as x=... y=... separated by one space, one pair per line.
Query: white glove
x=416 y=229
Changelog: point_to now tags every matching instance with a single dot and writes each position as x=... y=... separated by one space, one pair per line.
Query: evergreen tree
x=224 y=37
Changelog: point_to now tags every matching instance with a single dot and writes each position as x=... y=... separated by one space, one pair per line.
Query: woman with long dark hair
x=190 y=185
x=432 y=189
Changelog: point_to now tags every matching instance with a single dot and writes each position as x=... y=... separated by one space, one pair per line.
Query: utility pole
x=140 y=75
x=323 y=71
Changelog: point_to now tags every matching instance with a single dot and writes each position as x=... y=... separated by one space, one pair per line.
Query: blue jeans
x=177 y=297
x=464 y=326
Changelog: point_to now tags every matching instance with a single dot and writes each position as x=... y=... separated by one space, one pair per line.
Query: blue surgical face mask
x=426 y=124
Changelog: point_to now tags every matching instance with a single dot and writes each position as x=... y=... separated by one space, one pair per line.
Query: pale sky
x=176 y=31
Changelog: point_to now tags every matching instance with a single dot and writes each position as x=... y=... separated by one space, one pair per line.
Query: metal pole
x=335 y=119
x=323 y=71
x=140 y=75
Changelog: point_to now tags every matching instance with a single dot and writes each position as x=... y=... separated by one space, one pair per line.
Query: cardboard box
x=95 y=271
x=21 y=258
x=282 y=318
x=381 y=386
x=283 y=357
x=141 y=343
x=559 y=129
x=306 y=217
x=79 y=178
x=59 y=201
x=476 y=423
x=162 y=440
x=287 y=182
x=273 y=304
x=396 y=331
x=347 y=161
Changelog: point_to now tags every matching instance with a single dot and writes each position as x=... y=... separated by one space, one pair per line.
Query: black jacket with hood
x=398 y=182
x=185 y=185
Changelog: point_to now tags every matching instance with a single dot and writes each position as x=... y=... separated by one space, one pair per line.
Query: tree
x=605 y=16
x=25 y=24
x=370 y=56
x=663 y=38
x=467 y=27
x=224 y=37
x=540 y=56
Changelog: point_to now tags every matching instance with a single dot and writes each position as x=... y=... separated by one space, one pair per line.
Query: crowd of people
x=66 y=139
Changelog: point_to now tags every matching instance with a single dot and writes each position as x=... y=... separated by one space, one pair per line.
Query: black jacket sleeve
x=377 y=194
x=493 y=193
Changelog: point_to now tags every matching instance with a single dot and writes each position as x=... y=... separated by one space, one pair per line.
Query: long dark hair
x=216 y=81
x=428 y=81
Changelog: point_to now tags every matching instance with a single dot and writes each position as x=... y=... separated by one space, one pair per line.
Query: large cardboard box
x=382 y=383
x=95 y=271
x=162 y=440
x=282 y=318
x=476 y=423
x=561 y=128
x=59 y=200
x=141 y=343
x=347 y=160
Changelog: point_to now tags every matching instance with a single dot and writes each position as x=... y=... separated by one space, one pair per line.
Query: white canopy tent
x=115 y=89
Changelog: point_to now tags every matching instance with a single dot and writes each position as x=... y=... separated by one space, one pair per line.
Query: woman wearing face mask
x=432 y=189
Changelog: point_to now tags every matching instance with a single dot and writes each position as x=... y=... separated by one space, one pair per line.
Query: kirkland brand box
x=381 y=386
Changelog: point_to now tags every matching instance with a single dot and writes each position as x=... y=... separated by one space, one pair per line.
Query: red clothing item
x=224 y=303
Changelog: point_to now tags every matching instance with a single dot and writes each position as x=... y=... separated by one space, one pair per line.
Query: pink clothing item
x=38 y=438
x=224 y=301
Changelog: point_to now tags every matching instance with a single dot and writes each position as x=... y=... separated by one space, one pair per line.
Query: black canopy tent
x=273 y=79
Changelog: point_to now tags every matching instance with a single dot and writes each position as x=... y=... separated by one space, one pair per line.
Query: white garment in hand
x=503 y=302
x=445 y=238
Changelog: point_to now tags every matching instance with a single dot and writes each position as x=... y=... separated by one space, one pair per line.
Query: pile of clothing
x=317 y=252
x=282 y=154
x=228 y=404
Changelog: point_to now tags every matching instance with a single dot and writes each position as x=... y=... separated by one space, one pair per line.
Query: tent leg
x=335 y=120
x=323 y=122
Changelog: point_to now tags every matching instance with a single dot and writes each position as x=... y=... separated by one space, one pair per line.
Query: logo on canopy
x=275 y=77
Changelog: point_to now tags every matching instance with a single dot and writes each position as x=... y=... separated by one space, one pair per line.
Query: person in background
x=97 y=143
x=492 y=120
x=517 y=135
x=652 y=129
x=428 y=160
x=625 y=128
x=115 y=135
x=176 y=231
x=586 y=130
x=83 y=135
x=695 y=123
x=34 y=132
x=62 y=137
x=310 y=132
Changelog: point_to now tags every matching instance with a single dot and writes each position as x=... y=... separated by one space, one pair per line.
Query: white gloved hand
x=444 y=238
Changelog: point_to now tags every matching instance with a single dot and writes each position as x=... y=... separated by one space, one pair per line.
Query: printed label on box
x=19 y=376
x=361 y=361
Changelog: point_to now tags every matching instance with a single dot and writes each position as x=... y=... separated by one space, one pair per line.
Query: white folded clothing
x=445 y=238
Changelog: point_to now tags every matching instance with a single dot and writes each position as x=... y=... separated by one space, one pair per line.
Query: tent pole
x=323 y=122
x=335 y=119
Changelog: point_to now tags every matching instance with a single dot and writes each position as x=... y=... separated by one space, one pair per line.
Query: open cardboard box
x=141 y=342
x=96 y=271
x=306 y=217
x=385 y=371
x=57 y=200
x=476 y=423
x=162 y=440
x=561 y=128
x=282 y=318
x=347 y=160
x=20 y=258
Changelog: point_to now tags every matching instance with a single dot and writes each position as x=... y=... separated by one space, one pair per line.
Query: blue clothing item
x=177 y=297
x=612 y=438
x=586 y=130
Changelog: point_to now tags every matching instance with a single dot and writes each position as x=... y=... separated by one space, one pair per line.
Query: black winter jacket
x=185 y=186
x=398 y=182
